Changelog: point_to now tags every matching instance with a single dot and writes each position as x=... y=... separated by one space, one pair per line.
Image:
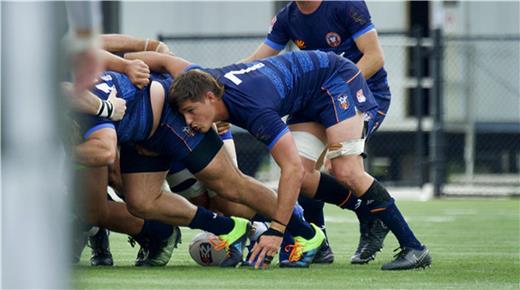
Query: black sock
x=298 y=226
x=209 y=221
x=155 y=230
x=330 y=190
x=382 y=205
x=260 y=218
x=312 y=210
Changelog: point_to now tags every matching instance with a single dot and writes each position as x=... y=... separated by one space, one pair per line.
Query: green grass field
x=475 y=244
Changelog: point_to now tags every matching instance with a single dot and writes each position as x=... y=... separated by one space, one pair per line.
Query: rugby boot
x=234 y=242
x=100 y=245
x=324 y=255
x=159 y=253
x=302 y=252
x=372 y=236
x=409 y=258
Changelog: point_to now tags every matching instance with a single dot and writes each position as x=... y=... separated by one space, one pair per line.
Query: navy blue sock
x=298 y=226
x=156 y=230
x=313 y=210
x=209 y=221
x=382 y=205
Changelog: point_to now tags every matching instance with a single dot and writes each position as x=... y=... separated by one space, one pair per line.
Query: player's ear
x=211 y=97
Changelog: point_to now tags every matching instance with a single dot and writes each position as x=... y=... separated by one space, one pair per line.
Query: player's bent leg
x=348 y=165
x=235 y=186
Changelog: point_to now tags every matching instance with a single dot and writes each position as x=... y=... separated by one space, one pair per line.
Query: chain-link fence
x=481 y=76
x=473 y=138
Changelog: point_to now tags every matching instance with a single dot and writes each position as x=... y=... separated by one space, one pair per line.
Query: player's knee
x=139 y=207
x=347 y=174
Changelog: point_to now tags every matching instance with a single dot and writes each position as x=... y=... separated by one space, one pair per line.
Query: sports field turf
x=475 y=244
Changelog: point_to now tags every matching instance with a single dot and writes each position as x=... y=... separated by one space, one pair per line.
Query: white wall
x=147 y=19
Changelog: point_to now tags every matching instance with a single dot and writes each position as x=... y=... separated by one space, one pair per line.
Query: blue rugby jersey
x=334 y=26
x=259 y=93
x=138 y=120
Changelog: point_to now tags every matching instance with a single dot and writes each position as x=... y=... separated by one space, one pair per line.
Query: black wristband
x=110 y=108
x=272 y=232
x=278 y=222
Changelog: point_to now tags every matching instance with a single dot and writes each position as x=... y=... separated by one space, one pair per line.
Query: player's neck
x=308 y=7
x=221 y=111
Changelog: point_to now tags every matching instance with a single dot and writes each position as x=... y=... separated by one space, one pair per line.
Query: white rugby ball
x=205 y=249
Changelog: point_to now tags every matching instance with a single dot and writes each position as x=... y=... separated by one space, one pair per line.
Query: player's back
x=283 y=82
x=138 y=120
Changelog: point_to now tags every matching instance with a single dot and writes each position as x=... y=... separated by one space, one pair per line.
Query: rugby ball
x=206 y=249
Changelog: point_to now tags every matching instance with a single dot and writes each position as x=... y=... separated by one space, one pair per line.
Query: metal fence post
x=438 y=160
x=419 y=105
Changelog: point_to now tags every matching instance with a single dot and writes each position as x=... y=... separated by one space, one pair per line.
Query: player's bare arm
x=160 y=62
x=127 y=43
x=99 y=149
x=372 y=60
x=262 y=51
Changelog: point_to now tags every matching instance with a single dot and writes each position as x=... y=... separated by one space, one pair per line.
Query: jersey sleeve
x=268 y=128
x=278 y=35
x=357 y=18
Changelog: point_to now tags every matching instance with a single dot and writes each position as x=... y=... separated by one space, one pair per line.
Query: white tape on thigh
x=350 y=147
x=308 y=145
x=196 y=189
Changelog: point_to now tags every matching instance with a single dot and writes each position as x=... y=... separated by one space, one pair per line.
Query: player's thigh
x=143 y=186
x=220 y=175
x=310 y=139
x=143 y=176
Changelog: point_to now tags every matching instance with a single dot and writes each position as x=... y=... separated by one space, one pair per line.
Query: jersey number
x=104 y=88
x=232 y=74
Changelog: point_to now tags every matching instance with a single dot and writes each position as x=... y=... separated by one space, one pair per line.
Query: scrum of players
x=155 y=127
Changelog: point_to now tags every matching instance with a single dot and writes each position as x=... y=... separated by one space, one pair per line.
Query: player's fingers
x=254 y=252
x=261 y=257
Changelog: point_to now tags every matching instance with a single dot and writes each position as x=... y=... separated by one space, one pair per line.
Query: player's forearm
x=288 y=190
x=160 y=62
x=261 y=51
x=370 y=63
x=84 y=102
x=113 y=62
x=122 y=43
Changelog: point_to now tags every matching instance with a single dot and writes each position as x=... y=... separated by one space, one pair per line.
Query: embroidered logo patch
x=300 y=43
x=333 y=39
x=188 y=131
x=360 y=96
x=343 y=101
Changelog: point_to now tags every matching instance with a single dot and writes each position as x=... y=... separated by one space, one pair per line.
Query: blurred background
x=454 y=123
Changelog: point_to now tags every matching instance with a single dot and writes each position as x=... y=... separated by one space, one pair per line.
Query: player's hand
x=266 y=248
x=119 y=105
x=138 y=72
x=222 y=127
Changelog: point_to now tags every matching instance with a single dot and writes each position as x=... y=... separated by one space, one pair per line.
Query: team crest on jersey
x=343 y=101
x=360 y=96
x=300 y=43
x=188 y=131
x=333 y=39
